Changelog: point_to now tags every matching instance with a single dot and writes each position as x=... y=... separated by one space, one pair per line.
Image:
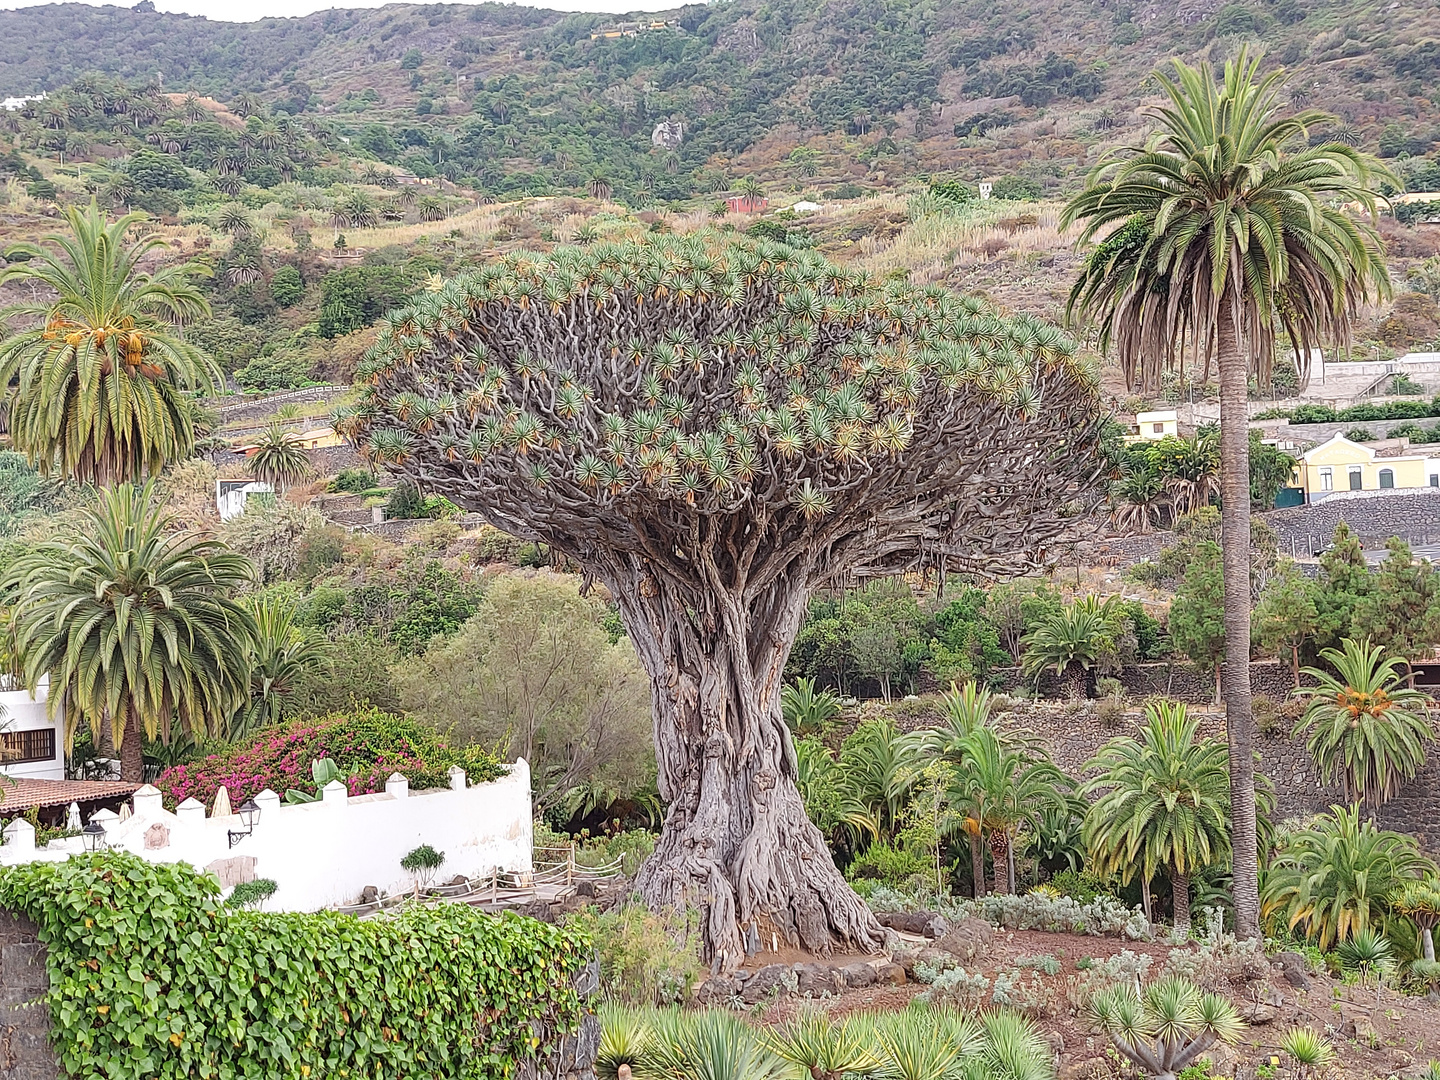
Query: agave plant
x=625 y=1036
x=1363 y=725
x=1367 y=953
x=709 y=1045
x=924 y=1044
x=1167 y=1026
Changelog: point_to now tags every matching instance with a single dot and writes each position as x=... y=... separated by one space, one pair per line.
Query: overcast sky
x=245 y=10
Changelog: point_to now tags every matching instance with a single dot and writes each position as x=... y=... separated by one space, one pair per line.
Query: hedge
x=366 y=745
x=151 y=977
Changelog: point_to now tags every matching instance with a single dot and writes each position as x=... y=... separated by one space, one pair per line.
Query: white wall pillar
x=397 y=787
x=148 y=800
x=335 y=794
x=457 y=778
x=20 y=835
x=191 y=813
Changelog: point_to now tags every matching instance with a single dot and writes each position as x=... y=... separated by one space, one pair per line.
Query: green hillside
x=526 y=101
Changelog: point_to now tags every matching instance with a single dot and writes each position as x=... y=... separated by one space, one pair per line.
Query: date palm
x=1226 y=228
x=1363 y=724
x=136 y=624
x=284 y=654
x=280 y=458
x=1164 y=803
x=1336 y=878
x=1073 y=640
x=100 y=375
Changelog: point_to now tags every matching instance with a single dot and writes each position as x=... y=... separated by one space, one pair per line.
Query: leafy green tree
x=1164 y=803
x=1285 y=617
x=1363 y=725
x=279 y=458
x=1222 y=229
x=152 y=171
x=1345 y=580
x=966 y=644
x=535 y=669
x=1401 y=609
x=742 y=492
x=287 y=286
x=1270 y=470
x=1335 y=879
x=99 y=388
x=1014 y=608
x=137 y=626
x=1197 y=615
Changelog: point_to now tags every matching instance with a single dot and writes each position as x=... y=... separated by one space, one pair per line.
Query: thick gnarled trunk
x=1235 y=676
x=132 y=753
x=736 y=843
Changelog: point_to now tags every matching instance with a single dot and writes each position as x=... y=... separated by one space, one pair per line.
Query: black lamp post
x=94 y=836
x=249 y=814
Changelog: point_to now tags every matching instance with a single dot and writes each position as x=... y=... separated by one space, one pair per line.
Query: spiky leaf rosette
x=639 y=395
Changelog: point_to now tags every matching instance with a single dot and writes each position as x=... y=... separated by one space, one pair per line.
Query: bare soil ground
x=1406 y=1029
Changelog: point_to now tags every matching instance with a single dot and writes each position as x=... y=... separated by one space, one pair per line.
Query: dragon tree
x=713 y=430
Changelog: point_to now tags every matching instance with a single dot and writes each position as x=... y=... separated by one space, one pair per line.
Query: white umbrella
x=125 y=811
x=72 y=818
x=222 y=803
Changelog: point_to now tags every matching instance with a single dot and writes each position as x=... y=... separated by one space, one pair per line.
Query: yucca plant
x=1166 y=1026
x=807 y=711
x=825 y=1049
x=1012 y=1050
x=1363 y=724
x=709 y=1045
x=923 y=1044
x=1419 y=901
x=1366 y=953
x=625 y=1037
x=1309 y=1050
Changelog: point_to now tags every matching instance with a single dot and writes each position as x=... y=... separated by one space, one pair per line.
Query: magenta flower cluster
x=368 y=746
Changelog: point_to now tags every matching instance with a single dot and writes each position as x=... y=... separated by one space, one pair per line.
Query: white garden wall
x=323 y=854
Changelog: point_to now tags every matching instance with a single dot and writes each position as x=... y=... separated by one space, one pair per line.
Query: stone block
x=22 y=966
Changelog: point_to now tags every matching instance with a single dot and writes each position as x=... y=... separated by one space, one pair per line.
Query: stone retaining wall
x=25 y=1052
x=1412 y=514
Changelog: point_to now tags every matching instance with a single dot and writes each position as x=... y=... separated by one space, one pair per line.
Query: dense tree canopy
x=712 y=430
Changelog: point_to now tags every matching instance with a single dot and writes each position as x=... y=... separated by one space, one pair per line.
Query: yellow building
x=1341 y=465
x=1154 y=426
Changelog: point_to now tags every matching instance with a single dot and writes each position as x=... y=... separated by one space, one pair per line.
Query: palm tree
x=1073 y=640
x=966 y=708
x=1002 y=789
x=280 y=458
x=1227 y=226
x=284 y=654
x=1363 y=724
x=878 y=768
x=99 y=387
x=1336 y=878
x=235 y=220
x=1164 y=802
x=136 y=625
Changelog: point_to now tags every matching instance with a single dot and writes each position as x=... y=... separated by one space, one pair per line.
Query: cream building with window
x=1339 y=465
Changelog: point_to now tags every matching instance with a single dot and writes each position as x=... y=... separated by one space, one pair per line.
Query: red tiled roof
x=22 y=794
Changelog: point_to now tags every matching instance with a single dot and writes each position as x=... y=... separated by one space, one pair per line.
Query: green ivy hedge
x=150 y=977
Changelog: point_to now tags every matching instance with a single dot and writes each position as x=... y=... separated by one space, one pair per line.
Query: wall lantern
x=249 y=815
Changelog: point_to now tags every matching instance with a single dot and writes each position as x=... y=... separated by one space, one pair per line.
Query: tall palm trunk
x=1180 y=886
x=1000 y=855
x=132 y=759
x=1235 y=542
x=977 y=865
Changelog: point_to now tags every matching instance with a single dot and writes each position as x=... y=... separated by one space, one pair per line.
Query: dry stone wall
x=25 y=1052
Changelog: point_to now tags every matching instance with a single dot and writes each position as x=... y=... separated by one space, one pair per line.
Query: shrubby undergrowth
x=150 y=976
x=1104 y=916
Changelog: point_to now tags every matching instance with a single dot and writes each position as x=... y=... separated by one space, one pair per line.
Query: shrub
x=954 y=988
x=422 y=864
x=1079 y=886
x=367 y=746
x=353 y=481
x=160 y=980
x=646 y=958
x=275 y=371
x=1024 y=991
x=287 y=286
x=252 y=893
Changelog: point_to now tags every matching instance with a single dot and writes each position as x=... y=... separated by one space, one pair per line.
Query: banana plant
x=323 y=771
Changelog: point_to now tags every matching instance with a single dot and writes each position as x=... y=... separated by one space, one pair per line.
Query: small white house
x=1154 y=426
x=231 y=495
x=32 y=746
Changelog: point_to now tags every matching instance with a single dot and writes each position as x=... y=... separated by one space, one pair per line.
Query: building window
x=1435 y=479
x=1387 y=478
x=1327 y=478
x=1159 y=429
x=1357 y=479
x=17 y=747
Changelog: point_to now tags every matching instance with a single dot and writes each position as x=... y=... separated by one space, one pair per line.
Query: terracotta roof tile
x=21 y=794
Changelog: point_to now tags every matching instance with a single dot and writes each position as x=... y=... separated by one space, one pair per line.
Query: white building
x=323 y=854
x=32 y=746
x=1154 y=426
x=231 y=495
